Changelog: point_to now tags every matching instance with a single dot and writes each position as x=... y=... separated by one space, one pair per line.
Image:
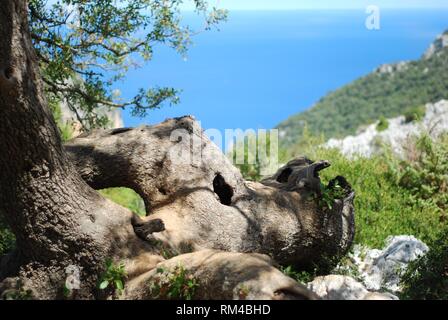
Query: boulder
x=339 y=287
x=383 y=268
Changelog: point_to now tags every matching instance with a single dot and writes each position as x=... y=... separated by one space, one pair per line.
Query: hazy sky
x=326 y=4
x=315 y=4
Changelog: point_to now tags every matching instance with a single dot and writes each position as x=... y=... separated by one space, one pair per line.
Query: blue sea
x=263 y=66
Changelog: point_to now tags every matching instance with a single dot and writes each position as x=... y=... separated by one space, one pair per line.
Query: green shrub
x=7 y=239
x=300 y=276
x=383 y=124
x=427 y=278
x=425 y=171
x=176 y=284
x=65 y=129
x=385 y=206
x=415 y=114
x=113 y=278
x=330 y=194
x=425 y=175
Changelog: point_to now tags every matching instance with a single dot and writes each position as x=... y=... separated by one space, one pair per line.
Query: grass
x=127 y=198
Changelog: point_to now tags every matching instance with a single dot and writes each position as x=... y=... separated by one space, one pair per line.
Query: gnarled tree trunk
x=57 y=218
x=199 y=205
x=204 y=202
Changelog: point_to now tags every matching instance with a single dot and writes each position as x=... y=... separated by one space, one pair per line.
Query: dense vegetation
x=379 y=94
x=393 y=196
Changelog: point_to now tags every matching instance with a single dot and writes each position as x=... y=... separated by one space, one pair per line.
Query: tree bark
x=221 y=276
x=57 y=218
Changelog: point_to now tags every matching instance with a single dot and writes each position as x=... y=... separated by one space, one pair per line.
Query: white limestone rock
x=338 y=287
x=392 y=68
x=437 y=46
x=381 y=269
x=368 y=142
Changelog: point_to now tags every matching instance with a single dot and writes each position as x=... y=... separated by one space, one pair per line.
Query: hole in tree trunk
x=8 y=73
x=284 y=176
x=120 y=130
x=223 y=190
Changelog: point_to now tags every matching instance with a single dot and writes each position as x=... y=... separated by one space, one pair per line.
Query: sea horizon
x=265 y=65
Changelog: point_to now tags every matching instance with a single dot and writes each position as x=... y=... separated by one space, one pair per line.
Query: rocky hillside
x=395 y=132
x=389 y=91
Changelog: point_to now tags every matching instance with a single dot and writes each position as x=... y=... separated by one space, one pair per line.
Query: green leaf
x=104 y=284
x=66 y=291
x=119 y=284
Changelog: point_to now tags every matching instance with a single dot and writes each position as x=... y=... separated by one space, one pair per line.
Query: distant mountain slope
x=389 y=91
